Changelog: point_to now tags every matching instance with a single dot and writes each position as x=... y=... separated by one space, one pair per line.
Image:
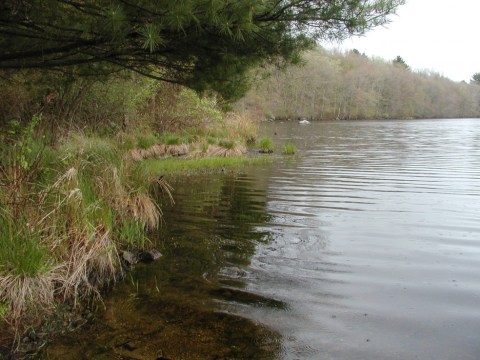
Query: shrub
x=195 y=111
x=176 y=108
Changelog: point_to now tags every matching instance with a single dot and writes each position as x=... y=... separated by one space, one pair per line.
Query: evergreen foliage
x=205 y=44
x=398 y=61
x=476 y=78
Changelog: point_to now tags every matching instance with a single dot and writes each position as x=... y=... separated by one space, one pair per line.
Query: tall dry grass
x=66 y=212
x=242 y=126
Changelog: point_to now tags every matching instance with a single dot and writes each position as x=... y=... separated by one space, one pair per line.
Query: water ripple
x=376 y=241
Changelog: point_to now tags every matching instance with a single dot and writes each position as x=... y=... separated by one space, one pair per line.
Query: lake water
x=366 y=245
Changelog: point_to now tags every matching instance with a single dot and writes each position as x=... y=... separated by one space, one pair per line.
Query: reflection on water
x=177 y=308
x=365 y=246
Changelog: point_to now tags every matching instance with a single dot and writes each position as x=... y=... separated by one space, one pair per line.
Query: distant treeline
x=334 y=85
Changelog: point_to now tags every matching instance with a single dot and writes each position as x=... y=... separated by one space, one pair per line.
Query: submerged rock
x=148 y=256
x=129 y=258
x=144 y=256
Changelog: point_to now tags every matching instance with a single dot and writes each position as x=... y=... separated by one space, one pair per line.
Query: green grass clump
x=21 y=252
x=289 y=149
x=227 y=144
x=91 y=150
x=266 y=145
x=212 y=140
x=204 y=147
x=170 y=139
x=145 y=141
x=132 y=233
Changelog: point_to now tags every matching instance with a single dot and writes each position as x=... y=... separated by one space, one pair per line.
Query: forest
x=332 y=85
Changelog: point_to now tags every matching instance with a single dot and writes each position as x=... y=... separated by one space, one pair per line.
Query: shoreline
x=61 y=317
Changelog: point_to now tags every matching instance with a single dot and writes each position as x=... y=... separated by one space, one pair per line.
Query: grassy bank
x=68 y=212
x=176 y=166
x=71 y=199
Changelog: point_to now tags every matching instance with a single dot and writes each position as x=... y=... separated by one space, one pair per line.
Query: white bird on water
x=304 y=122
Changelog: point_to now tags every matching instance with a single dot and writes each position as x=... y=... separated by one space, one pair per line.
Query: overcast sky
x=438 y=35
